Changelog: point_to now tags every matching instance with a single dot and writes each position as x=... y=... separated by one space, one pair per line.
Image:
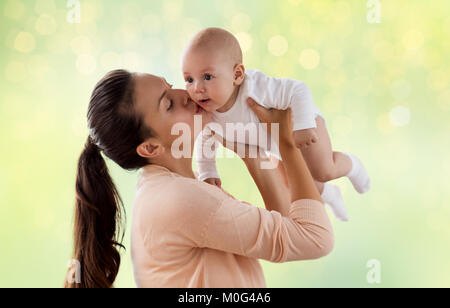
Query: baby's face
x=209 y=78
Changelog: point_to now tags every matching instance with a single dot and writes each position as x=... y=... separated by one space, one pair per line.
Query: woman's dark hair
x=116 y=129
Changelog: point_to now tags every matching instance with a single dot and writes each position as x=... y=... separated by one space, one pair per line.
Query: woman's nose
x=180 y=96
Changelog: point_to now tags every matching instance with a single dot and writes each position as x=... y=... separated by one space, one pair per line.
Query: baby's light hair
x=219 y=39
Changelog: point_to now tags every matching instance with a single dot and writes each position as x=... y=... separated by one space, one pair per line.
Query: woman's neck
x=181 y=166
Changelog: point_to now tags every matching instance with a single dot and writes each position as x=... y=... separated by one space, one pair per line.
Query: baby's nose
x=199 y=87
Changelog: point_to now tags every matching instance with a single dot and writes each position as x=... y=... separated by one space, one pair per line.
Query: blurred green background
x=383 y=87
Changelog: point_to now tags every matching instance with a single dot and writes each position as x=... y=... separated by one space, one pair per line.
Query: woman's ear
x=239 y=74
x=151 y=148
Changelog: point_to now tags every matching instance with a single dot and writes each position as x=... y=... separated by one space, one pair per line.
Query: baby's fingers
x=218 y=183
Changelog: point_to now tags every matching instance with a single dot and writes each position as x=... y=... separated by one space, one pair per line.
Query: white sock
x=358 y=175
x=332 y=196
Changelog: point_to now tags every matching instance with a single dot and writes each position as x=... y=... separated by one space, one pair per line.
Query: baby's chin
x=210 y=106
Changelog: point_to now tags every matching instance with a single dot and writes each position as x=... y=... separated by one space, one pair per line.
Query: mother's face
x=162 y=107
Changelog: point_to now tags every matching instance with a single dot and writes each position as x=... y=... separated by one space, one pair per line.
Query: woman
x=185 y=233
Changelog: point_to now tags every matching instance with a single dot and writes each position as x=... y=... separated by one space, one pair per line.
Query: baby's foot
x=332 y=196
x=358 y=175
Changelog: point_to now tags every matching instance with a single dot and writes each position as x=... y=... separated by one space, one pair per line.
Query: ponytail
x=97 y=229
x=116 y=129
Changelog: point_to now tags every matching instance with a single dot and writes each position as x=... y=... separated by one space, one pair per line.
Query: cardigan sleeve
x=258 y=233
x=202 y=215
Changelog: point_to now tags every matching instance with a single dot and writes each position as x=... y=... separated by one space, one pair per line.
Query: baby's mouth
x=204 y=101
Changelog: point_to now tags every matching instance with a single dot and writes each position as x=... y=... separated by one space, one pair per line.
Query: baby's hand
x=305 y=137
x=213 y=181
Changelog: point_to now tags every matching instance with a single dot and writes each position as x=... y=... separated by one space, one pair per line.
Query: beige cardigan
x=187 y=233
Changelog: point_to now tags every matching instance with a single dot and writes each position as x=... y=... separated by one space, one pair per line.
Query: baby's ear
x=239 y=74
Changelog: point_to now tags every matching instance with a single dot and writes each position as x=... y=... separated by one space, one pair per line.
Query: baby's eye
x=208 y=77
x=189 y=80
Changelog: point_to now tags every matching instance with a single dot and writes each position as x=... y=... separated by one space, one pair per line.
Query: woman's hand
x=272 y=116
x=245 y=151
x=301 y=183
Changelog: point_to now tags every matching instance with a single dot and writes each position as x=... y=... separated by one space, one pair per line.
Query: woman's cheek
x=189 y=90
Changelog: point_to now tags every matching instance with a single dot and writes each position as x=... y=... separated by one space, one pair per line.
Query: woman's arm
x=200 y=215
x=205 y=217
x=270 y=184
x=301 y=183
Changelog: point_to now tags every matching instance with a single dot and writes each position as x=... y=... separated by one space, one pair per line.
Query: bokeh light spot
x=333 y=58
x=110 y=60
x=382 y=51
x=245 y=40
x=295 y=2
x=400 y=89
x=38 y=67
x=278 y=45
x=128 y=34
x=413 y=39
x=15 y=71
x=399 y=116
x=444 y=101
x=438 y=79
x=153 y=46
x=90 y=11
x=14 y=9
x=436 y=221
x=86 y=64
x=309 y=59
x=151 y=24
x=172 y=9
x=384 y=125
x=81 y=45
x=131 y=61
x=342 y=125
x=45 y=25
x=45 y=6
x=241 y=22
x=25 y=42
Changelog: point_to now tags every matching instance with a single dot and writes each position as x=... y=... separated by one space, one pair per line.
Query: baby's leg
x=324 y=164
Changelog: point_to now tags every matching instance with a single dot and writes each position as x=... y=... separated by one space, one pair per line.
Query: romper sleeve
x=205 y=152
x=283 y=93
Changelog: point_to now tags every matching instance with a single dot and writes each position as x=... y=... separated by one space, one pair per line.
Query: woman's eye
x=208 y=77
x=189 y=80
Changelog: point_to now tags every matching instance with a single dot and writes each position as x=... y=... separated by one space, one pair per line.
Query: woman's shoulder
x=177 y=195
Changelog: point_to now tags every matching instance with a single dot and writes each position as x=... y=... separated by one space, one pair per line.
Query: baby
x=217 y=80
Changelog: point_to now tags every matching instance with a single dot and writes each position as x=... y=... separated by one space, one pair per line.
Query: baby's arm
x=303 y=110
x=283 y=93
x=205 y=149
